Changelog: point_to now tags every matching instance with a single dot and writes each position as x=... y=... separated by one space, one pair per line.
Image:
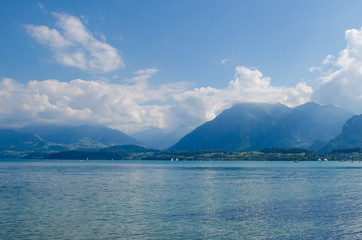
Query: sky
x=135 y=65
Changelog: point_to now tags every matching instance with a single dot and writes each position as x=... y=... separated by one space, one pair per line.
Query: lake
x=180 y=200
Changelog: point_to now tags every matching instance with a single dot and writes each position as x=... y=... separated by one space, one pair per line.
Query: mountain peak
x=308 y=105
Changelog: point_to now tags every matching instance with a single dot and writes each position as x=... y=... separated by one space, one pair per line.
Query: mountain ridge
x=48 y=138
x=78 y=134
x=254 y=126
x=351 y=136
x=243 y=127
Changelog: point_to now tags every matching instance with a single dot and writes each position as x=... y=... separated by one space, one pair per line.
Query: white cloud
x=249 y=85
x=326 y=63
x=315 y=68
x=144 y=74
x=78 y=101
x=126 y=106
x=328 y=60
x=342 y=81
x=46 y=36
x=135 y=105
x=249 y=78
x=73 y=45
x=225 y=60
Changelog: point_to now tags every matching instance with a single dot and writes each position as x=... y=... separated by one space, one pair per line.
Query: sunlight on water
x=183 y=200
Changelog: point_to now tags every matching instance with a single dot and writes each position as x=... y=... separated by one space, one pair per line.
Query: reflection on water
x=180 y=200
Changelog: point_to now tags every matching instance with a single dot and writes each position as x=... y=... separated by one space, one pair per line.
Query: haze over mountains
x=159 y=138
x=254 y=126
x=83 y=136
x=351 y=136
x=243 y=127
x=50 y=138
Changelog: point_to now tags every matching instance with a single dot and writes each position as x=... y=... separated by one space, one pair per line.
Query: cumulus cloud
x=225 y=60
x=129 y=107
x=328 y=60
x=315 y=68
x=73 y=45
x=249 y=85
x=326 y=63
x=341 y=83
x=136 y=105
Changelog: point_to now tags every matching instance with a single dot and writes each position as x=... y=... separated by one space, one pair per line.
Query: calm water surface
x=180 y=200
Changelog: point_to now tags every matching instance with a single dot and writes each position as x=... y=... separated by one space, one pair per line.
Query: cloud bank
x=249 y=85
x=73 y=45
x=136 y=105
x=341 y=77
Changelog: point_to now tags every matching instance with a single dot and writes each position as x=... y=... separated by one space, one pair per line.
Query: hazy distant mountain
x=161 y=139
x=351 y=136
x=47 y=138
x=13 y=140
x=309 y=126
x=14 y=144
x=242 y=127
x=43 y=130
x=85 y=136
x=254 y=126
x=127 y=149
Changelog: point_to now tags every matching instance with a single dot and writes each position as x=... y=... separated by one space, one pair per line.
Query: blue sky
x=135 y=65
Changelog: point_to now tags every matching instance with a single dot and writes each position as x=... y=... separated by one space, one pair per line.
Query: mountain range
x=48 y=138
x=254 y=126
x=243 y=127
x=84 y=136
x=159 y=138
